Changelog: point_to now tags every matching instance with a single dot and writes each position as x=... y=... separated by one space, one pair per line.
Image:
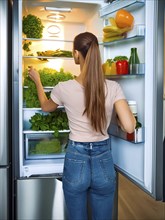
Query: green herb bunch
x=53 y=121
x=26 y=45
x=32 y=26
x=49 y=77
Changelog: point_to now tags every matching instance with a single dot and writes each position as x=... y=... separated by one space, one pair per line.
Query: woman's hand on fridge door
x=34 y=75
x=126 y=119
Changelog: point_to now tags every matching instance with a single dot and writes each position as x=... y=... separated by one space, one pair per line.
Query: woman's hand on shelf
x=34 y=75
x=46 y=104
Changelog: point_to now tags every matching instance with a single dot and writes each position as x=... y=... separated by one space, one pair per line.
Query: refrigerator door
x=40 y=198
x=4 y=194
x=142 y=162
x=4 y=160
x=159 y=149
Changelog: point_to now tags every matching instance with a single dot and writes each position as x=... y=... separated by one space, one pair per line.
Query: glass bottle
x=134 y=58
x=134 y=61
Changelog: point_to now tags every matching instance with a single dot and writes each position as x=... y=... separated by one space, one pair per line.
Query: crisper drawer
x=45 y=146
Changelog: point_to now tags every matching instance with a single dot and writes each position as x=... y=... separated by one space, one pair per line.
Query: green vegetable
x=53 y=121
x=30 y=54
x=52 y=146
x=49 y=77
x=32 y=26
x=109 y=61
x=26 y=45
x=138 y=125
x=120 y=58
x=54 y=53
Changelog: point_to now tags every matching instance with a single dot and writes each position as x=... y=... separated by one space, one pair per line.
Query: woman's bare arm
x=47 y=105
x=126 y=119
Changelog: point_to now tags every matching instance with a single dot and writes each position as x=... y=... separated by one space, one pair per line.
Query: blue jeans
x=89 y=175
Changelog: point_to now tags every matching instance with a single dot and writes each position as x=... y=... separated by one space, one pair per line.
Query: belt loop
x=91 y=145
x=73 y=143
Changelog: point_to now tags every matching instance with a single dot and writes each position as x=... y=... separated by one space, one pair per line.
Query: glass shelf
x=136 y=37
x=47 y=39
x=137 y=33
x=46 y=88
x=44 y=132
x=124 y=76
x=136 y=137
x=39 y=109
x=136 y=70
x=42 y=57
x=116 y=5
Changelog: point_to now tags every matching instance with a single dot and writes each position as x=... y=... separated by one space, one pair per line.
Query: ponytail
x=94 y=81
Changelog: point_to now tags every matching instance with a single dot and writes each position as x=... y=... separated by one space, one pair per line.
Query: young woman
x=89 y=100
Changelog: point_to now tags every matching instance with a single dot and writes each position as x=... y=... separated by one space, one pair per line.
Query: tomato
x=124 y=19
x=122 y=67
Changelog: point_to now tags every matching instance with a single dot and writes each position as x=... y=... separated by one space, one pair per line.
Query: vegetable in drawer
x=52 y=146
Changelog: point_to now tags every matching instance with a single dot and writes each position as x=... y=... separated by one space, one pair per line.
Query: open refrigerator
x=38 y=166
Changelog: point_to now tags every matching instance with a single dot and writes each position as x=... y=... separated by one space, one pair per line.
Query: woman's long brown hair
x=94 y=82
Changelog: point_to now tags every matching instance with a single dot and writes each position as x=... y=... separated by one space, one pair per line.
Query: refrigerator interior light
x=58 y=9
x=53 y=29
x=56 y=17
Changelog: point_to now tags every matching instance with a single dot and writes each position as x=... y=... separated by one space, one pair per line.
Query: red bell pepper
x=122 y=67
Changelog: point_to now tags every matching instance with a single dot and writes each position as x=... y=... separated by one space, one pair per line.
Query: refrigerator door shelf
x=116 y=5
x=136 y=137
x=137 y=33
x=136 y=70
x=45 y=146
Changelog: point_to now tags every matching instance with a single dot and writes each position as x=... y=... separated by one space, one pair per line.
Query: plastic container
x=138 y=130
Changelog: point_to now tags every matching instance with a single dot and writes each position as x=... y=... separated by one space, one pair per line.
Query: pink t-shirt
x=70 y=94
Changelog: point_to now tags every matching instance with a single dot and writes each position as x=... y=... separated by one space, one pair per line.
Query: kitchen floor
x=134 y=204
